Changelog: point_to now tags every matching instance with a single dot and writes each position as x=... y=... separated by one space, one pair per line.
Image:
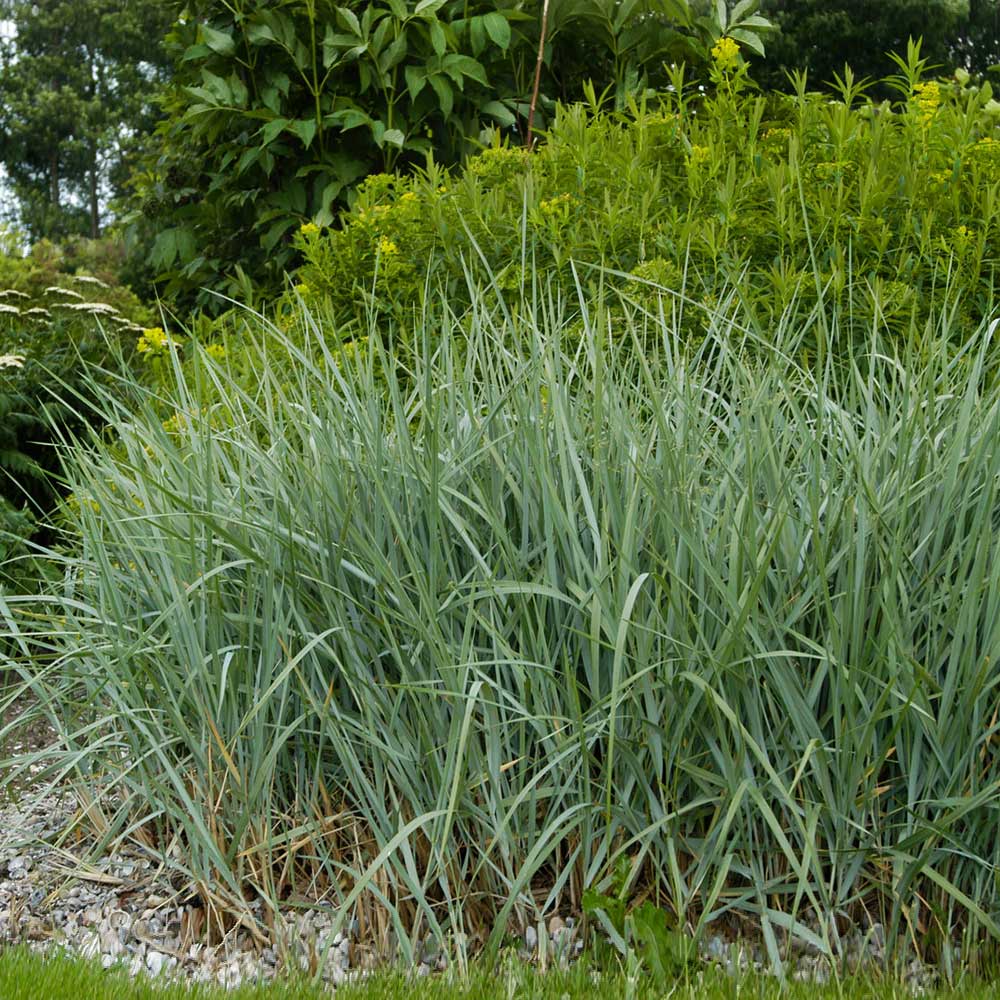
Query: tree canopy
x=77 y=79
x=820 y=36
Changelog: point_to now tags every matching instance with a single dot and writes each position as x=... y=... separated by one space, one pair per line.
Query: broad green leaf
x=743 y=9
x=677 y=10
x=259 y=33
x=347 y=118
x=445 y=95
x=272 y=130
x=624 y=13
x=271 y=98
x=247 y=160
x=281 y=81
x=393 y=55
x=498 y=28
x=748 y=38
x=274 y=233
x=416 y=80
x=368 y=17
x=394 y=137
x=305 y=129
x=218 y=41
x=164 y=250
x=349 y=20
x=438 y=39
x=215 y=88
x=500 y=112
x=477 y=35
x=195 y=52
x=186 y=243
x=379 y=38
x=238 y=90
x=457 y=66
x=426 y=7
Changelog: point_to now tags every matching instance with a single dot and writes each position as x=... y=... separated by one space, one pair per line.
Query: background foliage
x=77 y=79
x=274 y=114
x=784 y=195
x=822 y=35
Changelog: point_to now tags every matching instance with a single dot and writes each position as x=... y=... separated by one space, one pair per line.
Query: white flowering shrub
x=59 y=309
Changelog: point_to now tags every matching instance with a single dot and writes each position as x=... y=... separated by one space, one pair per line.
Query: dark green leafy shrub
x=15 y=526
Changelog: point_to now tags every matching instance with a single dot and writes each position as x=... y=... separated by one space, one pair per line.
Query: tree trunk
x=95 y=218
x=54 y=178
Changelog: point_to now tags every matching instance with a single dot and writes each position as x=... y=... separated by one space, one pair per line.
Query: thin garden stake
x=529 y=139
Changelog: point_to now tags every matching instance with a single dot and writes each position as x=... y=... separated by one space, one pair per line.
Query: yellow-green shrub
x=883 y=205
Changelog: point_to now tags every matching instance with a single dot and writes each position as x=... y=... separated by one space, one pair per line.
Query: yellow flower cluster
x=350 y=349
x=153 y=342
x=661 y=118
x=699 y=155
x=927 y=97
x=309 y=229
x=74 y=504
x=986 y=153
x=174 y=424
x=216 y=351
x=497 y=164
x=987 y=149
x=182 y=421
x=726 y=53
x=386 y=247
x=777 y=135
x=553 y=206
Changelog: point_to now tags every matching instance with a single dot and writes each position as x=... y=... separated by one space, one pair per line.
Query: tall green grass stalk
x=441 y=646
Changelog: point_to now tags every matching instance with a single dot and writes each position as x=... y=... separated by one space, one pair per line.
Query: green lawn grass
x=27 y=976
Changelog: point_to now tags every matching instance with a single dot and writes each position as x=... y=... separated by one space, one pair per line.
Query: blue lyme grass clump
x=451 y=631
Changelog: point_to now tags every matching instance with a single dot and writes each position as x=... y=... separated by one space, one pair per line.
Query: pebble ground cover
x=566 y=542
